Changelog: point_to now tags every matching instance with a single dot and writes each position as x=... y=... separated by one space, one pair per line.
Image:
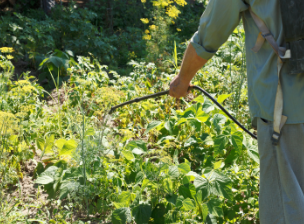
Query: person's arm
x=190 y=65
x=216 y=24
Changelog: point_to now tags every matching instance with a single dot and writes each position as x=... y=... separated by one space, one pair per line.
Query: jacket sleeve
x=218 y=21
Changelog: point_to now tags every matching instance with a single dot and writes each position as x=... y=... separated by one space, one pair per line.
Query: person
x=281 y=197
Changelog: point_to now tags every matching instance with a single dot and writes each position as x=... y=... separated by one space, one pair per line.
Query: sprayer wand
x=190 y=88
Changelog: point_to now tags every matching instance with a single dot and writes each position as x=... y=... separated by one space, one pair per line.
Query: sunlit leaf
x=215 y=207
x=128 y=155
x=189 y=204
x=121 y=216
x=222 y=97
x=152 y=125
x=68 y=147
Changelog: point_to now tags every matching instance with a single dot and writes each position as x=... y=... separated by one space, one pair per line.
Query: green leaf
x=184 y=168
x=40 y=143
x=190 y=141
x=218 y=120
x=217 y=164
x=189 y=204
x=222 y=97
x=199 y=99
x=253 y=153
x=237 y=140
x=90 y=132
x=128 y=155
x=140 y=176
x=138 y=151
x=121 y=216
x=136 y=144
x=168 y=185
x=44 y=180
x=67 y=187
x=220 y=142
x=208 y=106
x=220 y=184
x=123 y=200
x=68 y=147
x=187 y=190
x=49 y=144
x=192 y=175
x=179 y=201
x=215 y=207
x=202 y=184
x=211 y=219
x=158 y=214
x=152 y=125
x=173 y=172
x=142 y=213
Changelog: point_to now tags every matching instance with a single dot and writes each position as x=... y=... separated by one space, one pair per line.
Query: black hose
x=192 y=87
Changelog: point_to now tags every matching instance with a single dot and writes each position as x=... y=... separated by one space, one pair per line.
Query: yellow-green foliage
x=106 y=97
x=8 y=123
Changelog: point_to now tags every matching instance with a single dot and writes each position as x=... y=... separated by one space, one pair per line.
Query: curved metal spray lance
x=192 y=87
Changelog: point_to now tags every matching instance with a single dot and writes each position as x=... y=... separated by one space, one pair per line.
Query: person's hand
x=178 y=87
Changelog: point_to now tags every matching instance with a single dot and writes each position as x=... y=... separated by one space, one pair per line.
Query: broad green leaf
x=171 y=198
x=202 y=184
x=169 y=125
x=208 y=106
x=44 y=180
x=179 y=201
x=189 y=204
x=123 y=200
x=190 y=141
x=192 y=175
x=158 y=214
x=187 y=190
x=59 y=143
x=49 y=144
x=184 y=168
x=121 y=216
x=211 y=219
x=145 y=183
x=142 y=213
x=140 y=176
x=40 y=143
x=168 y=185
x=217 y=164
x=138 y=151
x=205 y=211
x=220 y=142
x=152 y=125
x=173 y=172
x=218 y=120
x=128 y=155
x=68 y=148
x=237 y=140
x=67 y=187
x=199 y=197
x=199 y=99
x=222 y=97
x=253 y=153
x=136 y=144
x=90 y=132
x=220 y=184
x=215 y=207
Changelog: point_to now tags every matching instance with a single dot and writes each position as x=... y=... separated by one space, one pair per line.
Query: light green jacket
x=216 y=24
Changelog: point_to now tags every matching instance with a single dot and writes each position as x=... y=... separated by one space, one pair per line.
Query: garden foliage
x=157 y=161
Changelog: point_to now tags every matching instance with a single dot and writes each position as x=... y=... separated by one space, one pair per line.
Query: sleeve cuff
x=200 y=50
